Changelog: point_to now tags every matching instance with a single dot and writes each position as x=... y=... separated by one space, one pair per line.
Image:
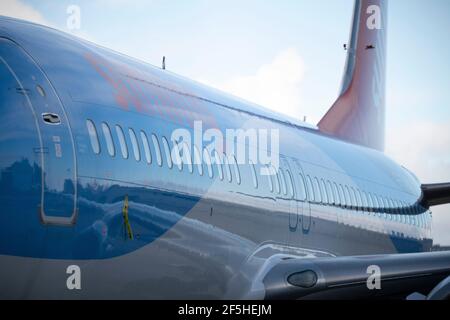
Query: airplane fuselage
x=83 y=128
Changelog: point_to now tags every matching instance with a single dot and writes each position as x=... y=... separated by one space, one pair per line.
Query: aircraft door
x=56 y=153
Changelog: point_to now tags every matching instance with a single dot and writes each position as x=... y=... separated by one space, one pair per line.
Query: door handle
x=51 y=118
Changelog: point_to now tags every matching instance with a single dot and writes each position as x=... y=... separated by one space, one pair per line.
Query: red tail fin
x=358 y=115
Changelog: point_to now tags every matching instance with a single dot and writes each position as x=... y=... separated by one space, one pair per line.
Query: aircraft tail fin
x=358 y=115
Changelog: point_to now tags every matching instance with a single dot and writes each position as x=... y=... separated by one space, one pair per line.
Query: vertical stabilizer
x=358 y=115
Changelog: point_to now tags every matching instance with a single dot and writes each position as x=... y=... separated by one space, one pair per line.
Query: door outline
x=47 y=219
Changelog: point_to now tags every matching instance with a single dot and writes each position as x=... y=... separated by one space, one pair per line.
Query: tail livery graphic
x=358 y=115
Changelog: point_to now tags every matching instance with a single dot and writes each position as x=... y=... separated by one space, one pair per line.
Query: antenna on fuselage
x=164 y=63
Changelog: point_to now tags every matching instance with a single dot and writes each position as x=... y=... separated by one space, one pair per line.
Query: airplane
x=94 y=204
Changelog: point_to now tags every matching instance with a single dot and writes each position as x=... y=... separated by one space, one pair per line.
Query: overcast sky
x=287 y=55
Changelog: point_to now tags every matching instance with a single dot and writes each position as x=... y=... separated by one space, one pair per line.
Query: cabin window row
x=281 y=181
x=226 y=167
x=321 y=191
x=325 y=192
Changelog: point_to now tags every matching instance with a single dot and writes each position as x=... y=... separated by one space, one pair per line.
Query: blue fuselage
x=195 y=232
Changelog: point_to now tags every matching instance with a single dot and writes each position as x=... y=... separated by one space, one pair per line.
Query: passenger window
x=198 y=160
x=382 y=206
x=323 y=191
x=342 y=196
x=393 y=208
x=290 y=183
x=134 y=144
x=157 y=150
x=282 y=181
x=148 y=155
x=411 y=212
x=330 y=193
x=176 y=155
x=277 y=180
x=227 y=168
x=364 y=200
x=109 y=140
x=167 y=152
x=208 y=162
x=383 y=203
x=122 y=143
x=378 y=204
x=337 y=198
x=399 y=207
x=353 y=197
x=270 y=177
x=409 y=209
x=237 y=173
x=317 y=193
x=218 y=162
x=387 y=208
x=93 y=136
x=359 y=200
x=309 y=185
x=403 y=215
x=254 y=176
x=370 y=203
x=404 y=209
x=373 y=205
x=348 y=200
x=302 y=188
x=186 y=157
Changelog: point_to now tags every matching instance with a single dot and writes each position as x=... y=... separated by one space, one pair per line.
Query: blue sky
x=294 y=48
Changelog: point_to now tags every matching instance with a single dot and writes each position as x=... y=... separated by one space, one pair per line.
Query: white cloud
x=17 y=9
x=276 y=85
x=424 y=147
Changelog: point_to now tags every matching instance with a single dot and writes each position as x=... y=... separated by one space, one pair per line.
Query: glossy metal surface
x=194 y=237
